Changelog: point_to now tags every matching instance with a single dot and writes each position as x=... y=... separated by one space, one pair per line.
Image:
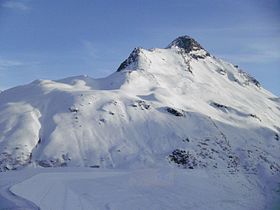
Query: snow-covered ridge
x=178 y=106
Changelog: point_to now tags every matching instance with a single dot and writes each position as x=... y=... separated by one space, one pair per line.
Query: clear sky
x=52 y=39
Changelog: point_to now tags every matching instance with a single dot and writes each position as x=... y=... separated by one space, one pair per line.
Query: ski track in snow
x=10 y=200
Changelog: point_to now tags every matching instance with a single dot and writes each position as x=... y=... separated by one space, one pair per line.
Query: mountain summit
x=177 y=106
x=185 y=42
x=183 y=45
x=188 y=45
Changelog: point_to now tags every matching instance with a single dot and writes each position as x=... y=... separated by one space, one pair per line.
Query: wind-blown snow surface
x=175 y=106
x=140 y=189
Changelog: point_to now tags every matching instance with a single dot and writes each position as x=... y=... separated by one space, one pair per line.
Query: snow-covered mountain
x=178 y=106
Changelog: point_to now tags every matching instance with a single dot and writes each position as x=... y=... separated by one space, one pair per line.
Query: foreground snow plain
x=153 y=188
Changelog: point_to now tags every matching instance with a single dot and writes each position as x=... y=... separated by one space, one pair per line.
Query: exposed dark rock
x=10 y=162
x=66 y=157
x=58 y=162
x=94 y=166
x=233 y=163
x=73 y=109
x=276 y=137
x=183 y=158
x=255 y=116
x=195 y=56
x=186 y=140
x=187 y=43
x=142 y=104
x=133 y=57
x=221 y=71
x=187 y=62
x=44 y=163
x=249 y=79
x=102 y=120
x=190 y=46
x=275 y=99
x=175 y=112
x=217 y=105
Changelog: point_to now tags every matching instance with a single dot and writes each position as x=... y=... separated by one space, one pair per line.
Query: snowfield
x=162 y=188
x=163 y=109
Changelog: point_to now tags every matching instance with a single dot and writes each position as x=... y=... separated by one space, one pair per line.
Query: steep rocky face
x=174 y=106
x=132 y=59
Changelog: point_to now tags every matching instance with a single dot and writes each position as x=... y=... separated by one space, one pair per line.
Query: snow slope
x=173 y=107
x=158 y=101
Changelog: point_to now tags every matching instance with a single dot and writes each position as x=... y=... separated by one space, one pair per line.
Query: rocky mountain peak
x=185 y=42
x=189 y=45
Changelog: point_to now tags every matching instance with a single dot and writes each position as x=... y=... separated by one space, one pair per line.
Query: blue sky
x=51 y=39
